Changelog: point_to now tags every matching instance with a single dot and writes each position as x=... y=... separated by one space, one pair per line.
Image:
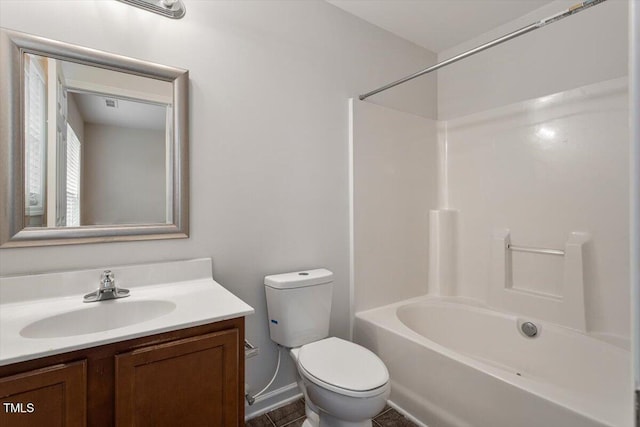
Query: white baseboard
x=272 y=400
x=406 y=414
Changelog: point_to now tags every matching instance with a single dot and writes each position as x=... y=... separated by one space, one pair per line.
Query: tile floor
x=292 y=415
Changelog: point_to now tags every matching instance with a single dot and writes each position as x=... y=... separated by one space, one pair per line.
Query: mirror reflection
x=97 y=146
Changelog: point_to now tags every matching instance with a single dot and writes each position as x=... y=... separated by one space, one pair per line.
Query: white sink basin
x=98 y=317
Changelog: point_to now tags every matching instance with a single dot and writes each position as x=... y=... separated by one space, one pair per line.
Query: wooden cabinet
x=52 y=396
x=189 y=377
x=189 y=382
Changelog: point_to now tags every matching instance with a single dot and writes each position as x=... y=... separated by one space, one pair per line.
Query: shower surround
x=544 y=169
x=549 y=172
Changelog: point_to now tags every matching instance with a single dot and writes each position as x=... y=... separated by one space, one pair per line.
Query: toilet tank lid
x=299 y=279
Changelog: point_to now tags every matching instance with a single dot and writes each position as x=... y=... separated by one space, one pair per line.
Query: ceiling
x=438 y=25
x=127 y=113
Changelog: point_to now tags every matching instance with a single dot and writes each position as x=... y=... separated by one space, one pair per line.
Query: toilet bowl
x=344 y=384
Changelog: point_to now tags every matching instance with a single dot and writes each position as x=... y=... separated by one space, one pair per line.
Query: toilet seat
x=343 y=367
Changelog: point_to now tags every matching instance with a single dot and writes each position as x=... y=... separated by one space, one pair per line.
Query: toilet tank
x=299 y=306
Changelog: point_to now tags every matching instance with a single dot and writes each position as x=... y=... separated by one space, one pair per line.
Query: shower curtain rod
x=539 y=24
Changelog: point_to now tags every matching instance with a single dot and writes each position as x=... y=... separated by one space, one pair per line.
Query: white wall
x=268 y=130
x=74 y=117
x=585 y=48
x=394 y=186
x=123 y=176
x=536 y=135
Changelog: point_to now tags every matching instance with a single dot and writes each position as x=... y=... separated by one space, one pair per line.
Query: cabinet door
x=189 y=382
x=47 y=397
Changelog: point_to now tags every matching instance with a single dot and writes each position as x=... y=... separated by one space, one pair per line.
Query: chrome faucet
x=107 y=289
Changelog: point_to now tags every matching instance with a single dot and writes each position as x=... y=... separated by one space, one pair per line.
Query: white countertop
x=197 y=301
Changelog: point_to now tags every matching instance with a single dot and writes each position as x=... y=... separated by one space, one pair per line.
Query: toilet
x=344 y=384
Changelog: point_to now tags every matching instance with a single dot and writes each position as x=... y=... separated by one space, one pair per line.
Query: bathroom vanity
x=169 y=354
x=194 y=375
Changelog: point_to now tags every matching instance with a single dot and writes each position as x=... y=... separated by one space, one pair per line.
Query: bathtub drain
x=529 y=329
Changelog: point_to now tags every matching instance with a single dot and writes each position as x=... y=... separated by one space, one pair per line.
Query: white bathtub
x=454 y=363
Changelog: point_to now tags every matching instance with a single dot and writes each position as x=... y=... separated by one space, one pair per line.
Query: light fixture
x=170 y=8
